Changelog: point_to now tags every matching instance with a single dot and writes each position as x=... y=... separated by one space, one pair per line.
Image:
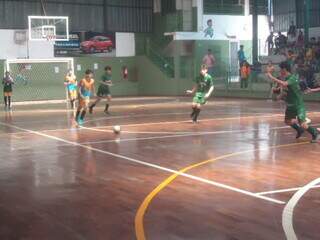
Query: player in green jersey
x=103 y=90
x=202 y=90
x=295 y=115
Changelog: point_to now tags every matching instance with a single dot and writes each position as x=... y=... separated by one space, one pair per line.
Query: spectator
x=300 y=40
x=241 y=56
x=270 y=43
x=292 y=30
x=313 y=41
x=281 y=42
x=209 y=60
x=245 y=74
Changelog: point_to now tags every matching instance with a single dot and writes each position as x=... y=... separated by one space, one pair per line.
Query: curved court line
x=287 y=214
x=139 y=226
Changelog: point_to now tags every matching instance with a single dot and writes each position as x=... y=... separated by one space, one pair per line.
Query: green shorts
x=199 y=98
x=293 y=112
x=7 y=88
x=103 y=91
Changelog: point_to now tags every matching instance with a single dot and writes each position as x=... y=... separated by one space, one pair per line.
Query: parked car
x=97 y=44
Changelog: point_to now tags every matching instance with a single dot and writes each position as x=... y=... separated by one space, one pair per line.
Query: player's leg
x=84 y=110
x=194 y=109
x=9 y=100
x=197 y=112
x=291 y=120
x=5 y=98
x=303 y=121
x=106 y=109
x=72 y=97
x=98 y=99
x=80 y=106
x=195 y=102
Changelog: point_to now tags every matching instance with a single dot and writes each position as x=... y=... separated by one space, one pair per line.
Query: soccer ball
x=116 y=129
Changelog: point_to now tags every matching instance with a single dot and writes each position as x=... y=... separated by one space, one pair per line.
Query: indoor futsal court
x=160 y=120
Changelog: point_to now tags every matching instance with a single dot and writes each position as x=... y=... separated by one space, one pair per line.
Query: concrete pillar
x=255 y=32
x=246 y=7
x=307 y=5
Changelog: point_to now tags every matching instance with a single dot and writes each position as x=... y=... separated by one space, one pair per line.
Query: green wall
x=121 y=87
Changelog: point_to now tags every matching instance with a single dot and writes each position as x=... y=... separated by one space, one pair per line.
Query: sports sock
x=77 y=114
x=296 y=127
x=5 y=100
x=9 y=101
x=83 y=114
x=312 y=131
x=196 y=115
x=107 y=107
x=193 y=111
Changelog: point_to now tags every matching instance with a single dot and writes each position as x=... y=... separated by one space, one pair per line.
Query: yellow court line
x=139 y=218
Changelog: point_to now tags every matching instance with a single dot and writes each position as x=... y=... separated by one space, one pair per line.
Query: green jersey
x=106 y=77
x=294 y=94
x=204 y=83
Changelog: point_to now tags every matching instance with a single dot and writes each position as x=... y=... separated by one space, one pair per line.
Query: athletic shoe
x=80 y=121
x=316 y=139
x=299 y=133
x=107 y=112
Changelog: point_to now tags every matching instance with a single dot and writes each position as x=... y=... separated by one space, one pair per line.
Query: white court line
x=287 y=214
x=155 y=166
x=159 y=123
x=204 y=120
x=119 y=140
x=285 y=190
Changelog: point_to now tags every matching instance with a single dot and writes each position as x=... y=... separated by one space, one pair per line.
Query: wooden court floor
x=238 y=174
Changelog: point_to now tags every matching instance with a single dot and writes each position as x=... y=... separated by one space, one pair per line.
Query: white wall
x=9 y=49
x=125 y=45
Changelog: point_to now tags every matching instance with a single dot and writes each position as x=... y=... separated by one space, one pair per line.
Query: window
x=224 y=7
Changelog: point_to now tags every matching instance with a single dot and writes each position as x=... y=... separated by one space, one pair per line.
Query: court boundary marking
x=139 y=218
x=287 y=214
x=155 y=166
x=285 y=190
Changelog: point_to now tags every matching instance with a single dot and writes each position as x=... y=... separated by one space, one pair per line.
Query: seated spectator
x=313 y=41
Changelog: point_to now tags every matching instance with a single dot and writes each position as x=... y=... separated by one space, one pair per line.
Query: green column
x=254 y=32
x=307 y=4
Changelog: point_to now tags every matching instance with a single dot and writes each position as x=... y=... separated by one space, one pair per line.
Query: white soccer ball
x=116 y=129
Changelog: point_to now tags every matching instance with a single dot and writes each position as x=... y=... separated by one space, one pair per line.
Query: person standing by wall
x=209 y=60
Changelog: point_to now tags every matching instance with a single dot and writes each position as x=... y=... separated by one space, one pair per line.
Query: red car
x=97 y=44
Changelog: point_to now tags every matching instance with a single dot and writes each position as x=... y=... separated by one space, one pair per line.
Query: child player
x=71 y=84
x=203 y=90
x=7 y=82
x=295 y=115
x=103 y=90
x=86 y=90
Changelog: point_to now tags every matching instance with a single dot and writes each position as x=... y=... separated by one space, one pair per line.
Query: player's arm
x=93 y=90
x=209 y=92
x=278 y=81
x=192 y=91
x=312 y=90
x=80 y=86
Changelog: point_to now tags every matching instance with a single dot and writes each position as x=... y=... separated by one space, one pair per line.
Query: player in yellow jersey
x=86 y=90
x=71 y=84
